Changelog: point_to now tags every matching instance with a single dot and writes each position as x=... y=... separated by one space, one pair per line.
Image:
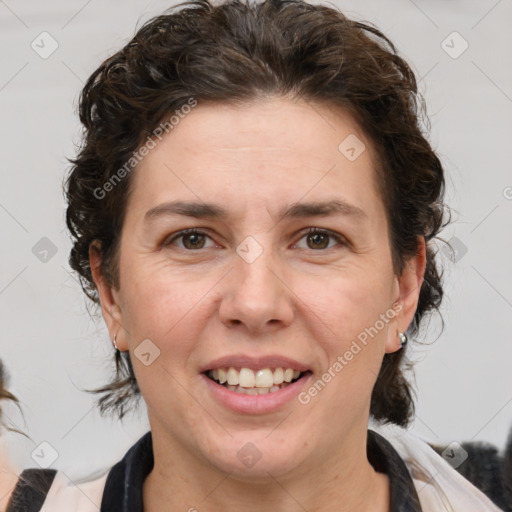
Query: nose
x=256 y=296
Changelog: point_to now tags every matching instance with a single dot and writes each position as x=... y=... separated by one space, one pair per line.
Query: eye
x=319 y=239
x=316 y=239
x=192 y=239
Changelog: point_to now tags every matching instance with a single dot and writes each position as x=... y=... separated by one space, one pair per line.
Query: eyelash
x=309 y=231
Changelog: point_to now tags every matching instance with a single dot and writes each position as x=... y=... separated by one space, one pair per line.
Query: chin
x=259 y=460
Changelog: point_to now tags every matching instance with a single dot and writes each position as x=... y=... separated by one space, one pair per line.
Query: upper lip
x=271 y=361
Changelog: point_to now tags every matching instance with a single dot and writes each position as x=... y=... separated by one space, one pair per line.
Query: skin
x=295 y=300
x=8 y=477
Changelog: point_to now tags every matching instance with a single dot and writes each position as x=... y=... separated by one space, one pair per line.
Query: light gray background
x=53 y=348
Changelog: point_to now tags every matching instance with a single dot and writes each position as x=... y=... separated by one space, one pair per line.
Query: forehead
x=262 y=151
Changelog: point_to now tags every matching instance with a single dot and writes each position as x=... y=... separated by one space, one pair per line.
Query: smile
x=254 y=382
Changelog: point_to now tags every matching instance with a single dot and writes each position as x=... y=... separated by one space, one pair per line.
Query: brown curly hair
x=240 y=51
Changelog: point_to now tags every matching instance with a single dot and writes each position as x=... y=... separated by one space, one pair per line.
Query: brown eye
x=192 y=239
x=319 y=239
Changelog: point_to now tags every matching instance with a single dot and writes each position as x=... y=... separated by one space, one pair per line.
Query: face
x=286 y=268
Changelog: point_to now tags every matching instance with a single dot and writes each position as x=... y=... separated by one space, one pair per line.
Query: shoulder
x=48 y=490
x=79 y=496
x=439 y=485
x=485 y=467
x=30 y=490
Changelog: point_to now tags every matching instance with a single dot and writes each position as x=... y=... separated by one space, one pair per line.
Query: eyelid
x=340 y=239
x=189 y=231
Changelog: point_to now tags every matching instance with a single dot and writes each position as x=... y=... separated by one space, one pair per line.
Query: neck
x=334 y=482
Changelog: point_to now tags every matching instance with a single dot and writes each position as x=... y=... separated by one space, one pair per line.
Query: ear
x=409 y=285
x=109 y=297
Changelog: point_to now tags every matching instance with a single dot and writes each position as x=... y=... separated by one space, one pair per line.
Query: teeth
x=256 y=391
x=278 y=376
x=260 y=382
x=232 y=377
x=246 y=378
x=288 y=375
x=222 y=375
x=264 y=378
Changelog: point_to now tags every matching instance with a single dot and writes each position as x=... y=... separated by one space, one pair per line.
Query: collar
x=123 y=488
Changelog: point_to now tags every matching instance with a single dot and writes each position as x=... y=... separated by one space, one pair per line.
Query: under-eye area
x=255 y=382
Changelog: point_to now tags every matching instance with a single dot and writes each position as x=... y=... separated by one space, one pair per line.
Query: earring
x=403 y=338
x=115 y=344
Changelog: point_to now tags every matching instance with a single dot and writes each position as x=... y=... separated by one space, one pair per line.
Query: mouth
x=255 y=382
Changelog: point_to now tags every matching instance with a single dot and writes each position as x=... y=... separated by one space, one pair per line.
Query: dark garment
x=31 y=490
x=123 y=488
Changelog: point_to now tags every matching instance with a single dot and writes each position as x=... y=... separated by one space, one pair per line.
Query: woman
x=254 y=207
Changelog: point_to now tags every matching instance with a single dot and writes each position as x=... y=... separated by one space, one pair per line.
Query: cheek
x=161 y=302
x=345 y=305
x=345 y=320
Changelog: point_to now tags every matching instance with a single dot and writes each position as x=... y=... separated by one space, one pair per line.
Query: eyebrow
x=200 y=210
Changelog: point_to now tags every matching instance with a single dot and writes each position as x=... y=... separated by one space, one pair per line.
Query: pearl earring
x=115 y=343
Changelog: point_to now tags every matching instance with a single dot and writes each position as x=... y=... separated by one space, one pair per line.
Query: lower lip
x=256 y=404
